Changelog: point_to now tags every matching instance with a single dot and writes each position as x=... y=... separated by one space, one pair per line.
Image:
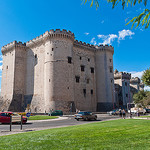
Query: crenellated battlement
x=58 y=34
x=11 y=45
x=52 y=34
x=122 y=75
x=135 y=80
x=93 y=47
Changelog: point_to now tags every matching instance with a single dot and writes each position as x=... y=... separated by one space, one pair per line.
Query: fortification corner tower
x=13 y=76
x=58 y=70
x=105 y=78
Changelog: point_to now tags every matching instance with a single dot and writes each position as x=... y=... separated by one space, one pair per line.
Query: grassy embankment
x=120 y=134
x=41 y=117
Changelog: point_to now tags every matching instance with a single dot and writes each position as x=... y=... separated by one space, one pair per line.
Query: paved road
x=47 y=124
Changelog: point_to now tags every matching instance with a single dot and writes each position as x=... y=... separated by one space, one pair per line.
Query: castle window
x=82 y=68
x=125 y=83
x=92 y=70
x=35 y=56
x=88 y=59
x=80 y=57
x=126 y=95
x=7 y=67
x=87 y=81
x=49 y=80
x=52 y=49
x=111 y=69
x=91 y=92
x=111 y=80
x=69 y=60
x=84 y=92
x=110 y=60
x=77 y=79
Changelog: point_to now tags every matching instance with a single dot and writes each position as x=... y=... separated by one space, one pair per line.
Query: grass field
x=40 y=117
x=123 y=134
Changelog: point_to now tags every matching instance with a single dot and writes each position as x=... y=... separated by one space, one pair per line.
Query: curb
x=60 y=118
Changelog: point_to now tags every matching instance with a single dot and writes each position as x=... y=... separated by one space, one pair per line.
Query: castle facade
x=55 y=71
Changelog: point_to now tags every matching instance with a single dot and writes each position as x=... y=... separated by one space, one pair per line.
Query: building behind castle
x=125 y=88
x=55 y=71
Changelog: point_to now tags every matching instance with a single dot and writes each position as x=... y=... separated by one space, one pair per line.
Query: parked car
x=136 y=110
x=56 y=113
x=147 y=110
x=113 y=112
x=84 y=115
x=5 y=117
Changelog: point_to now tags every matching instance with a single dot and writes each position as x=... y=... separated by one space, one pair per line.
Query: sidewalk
x=14 y=131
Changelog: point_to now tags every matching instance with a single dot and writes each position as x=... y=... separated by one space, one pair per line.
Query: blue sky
x=23 y=20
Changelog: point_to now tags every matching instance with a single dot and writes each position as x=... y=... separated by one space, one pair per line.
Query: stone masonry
x=55 y=71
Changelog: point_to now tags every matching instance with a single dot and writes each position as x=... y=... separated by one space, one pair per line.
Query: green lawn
x=40 y=117
x=123 y=134
x=145 y=116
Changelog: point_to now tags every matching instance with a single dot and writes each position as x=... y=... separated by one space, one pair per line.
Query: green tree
x=142 y=97
x=142 y=19
x=146 y=77
x=138 y=97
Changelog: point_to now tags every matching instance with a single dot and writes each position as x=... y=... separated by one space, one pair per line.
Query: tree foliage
x=142 y=97
x=146 y=77
x=142 y=19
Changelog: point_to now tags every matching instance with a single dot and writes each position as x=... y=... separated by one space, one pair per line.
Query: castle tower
x=123 y=80
x=58 y=69
x=105 y=78
x=13 y=76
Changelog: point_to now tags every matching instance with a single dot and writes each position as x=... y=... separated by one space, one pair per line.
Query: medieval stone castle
x=55 y=71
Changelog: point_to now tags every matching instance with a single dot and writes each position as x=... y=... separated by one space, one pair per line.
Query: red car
x=5 y=117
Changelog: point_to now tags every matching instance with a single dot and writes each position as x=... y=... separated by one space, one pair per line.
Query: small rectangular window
x=80 y=57
x=84 y=92
x=125 y=83
x=88 y=59
x=82 y=68
x=69 y=60
x=91 y=92
x=110 y=60
x=7 y=67
x=111 y=69
x=87 y=81
x=126 y=95
x=92 y=70
x=35 y=56
x=77 y=79
x=52 y=49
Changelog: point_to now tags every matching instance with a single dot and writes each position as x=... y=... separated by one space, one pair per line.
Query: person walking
x=124 y=114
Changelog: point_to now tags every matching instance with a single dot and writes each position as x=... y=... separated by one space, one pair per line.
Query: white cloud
x=124 y=33
x=0 y=67
x=110 y=39
x=147 y=88
x=101 y=36
x=136 y=74
x=107 y=39
x=1 y=61
x=86 y=33
x=93 y=41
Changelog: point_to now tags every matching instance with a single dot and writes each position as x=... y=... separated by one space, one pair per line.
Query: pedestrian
x=124 y=114
x=120 y=113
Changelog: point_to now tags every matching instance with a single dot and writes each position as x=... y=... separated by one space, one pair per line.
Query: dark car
x=56 y=113
x=147 y=110
x=5 y=117
x=84 y=115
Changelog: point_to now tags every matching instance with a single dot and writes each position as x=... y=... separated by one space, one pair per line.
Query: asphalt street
x=47 y=124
